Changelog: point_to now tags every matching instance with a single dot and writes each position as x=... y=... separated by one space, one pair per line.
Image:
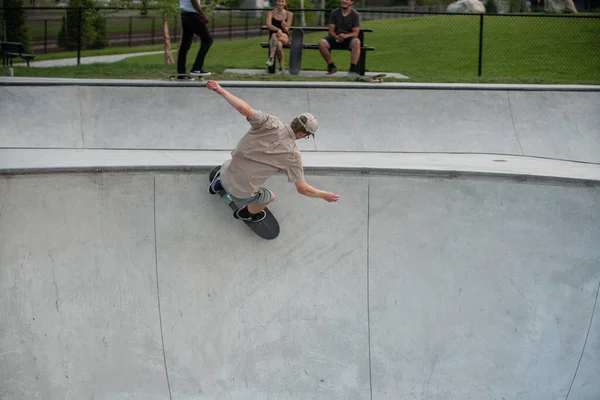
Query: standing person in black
x=344 y=28
x=193 y=21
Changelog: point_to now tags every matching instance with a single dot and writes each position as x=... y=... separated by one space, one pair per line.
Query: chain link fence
x=426 y=44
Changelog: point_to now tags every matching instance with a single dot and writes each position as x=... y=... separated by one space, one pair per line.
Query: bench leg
x=362 y=62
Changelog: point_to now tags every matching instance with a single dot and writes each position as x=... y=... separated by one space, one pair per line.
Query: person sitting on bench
x=279 y=21
x=344 y=28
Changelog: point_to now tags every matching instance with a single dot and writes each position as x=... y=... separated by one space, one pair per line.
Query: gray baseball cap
x=311 y=125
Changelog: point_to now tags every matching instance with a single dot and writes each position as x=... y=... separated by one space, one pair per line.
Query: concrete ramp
x=142 y=286
x=549 y=122
x=461 y=262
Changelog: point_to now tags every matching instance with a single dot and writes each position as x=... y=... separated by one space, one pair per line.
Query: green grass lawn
x=441 y=48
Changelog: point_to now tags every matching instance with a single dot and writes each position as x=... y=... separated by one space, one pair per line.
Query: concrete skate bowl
x=133 y=282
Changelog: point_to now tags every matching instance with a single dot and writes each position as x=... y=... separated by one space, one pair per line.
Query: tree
x=165 y=8
x=93 y=27
x=14 y=20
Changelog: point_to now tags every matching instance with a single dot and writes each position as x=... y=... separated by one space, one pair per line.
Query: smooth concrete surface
x=78 y=293
x=34 y=81
x=561 y=124
x=461 y=262
x=142 y=285
x=28 y=161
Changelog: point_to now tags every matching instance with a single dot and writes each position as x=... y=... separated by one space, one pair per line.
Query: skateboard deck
x=189 y=77
x=268 y=228
x=296 y=51
x=372 y=79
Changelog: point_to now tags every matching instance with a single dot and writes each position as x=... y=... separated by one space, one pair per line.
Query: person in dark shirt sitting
x=344 y=27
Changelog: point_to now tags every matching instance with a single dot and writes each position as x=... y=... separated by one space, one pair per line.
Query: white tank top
x=186 y=5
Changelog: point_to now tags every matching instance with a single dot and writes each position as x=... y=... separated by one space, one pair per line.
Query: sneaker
x=199 y=72
x=282 y=71
x=252 y=218
x=353 y=74
x=215 y=185
x=332 y=71
x=270 y=61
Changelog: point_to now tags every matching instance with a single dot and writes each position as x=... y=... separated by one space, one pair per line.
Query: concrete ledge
x=28 y=161
x=25 y=81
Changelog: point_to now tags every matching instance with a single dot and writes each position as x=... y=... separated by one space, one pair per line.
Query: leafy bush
x=491 y=7
x=516 y=6
x=311 y=17
x=14 y=18
x=93 y=29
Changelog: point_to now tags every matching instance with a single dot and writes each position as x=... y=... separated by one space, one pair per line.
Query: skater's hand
x=214 y=86
x=331 y=197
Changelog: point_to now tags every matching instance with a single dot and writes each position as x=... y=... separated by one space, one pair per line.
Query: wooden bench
x=362 y=61
x=11 y=50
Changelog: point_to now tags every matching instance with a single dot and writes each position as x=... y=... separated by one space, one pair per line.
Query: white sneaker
x=199 y=72
x=270 y=61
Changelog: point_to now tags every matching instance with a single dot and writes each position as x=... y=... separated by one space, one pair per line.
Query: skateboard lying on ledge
x=268 y=228
x=372 y=79
x=188 y=77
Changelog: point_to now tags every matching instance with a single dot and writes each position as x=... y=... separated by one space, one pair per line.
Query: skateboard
x=173 y=77
x=268 y=228
x=372 y=79
x=296 y=51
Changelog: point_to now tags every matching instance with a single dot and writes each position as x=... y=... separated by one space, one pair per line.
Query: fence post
x=45 y=36
x=79 y=34
x=130 y=29
x=153 y=19
x=480 y=42
x=230 y=15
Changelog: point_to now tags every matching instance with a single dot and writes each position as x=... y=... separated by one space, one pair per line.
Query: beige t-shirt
x=268 y=148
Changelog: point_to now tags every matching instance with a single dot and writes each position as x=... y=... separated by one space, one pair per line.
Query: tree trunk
x=168 y=54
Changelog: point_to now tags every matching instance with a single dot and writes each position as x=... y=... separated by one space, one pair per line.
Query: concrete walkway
x=69 y=62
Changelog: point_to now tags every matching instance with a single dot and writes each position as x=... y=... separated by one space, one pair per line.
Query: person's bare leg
x=325 y=51
x=280 y=55
x=273 y=42
x=255 y=209
x=355 y=47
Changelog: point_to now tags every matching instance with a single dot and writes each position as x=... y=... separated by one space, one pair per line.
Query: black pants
x=191 y=24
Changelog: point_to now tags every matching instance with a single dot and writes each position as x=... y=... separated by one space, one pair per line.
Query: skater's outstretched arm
x=307 y=190
x=236 y=102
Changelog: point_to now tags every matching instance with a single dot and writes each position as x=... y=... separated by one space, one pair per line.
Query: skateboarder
x=267 y=148
x=279 y=21
x=344 y=28
x=193 y=21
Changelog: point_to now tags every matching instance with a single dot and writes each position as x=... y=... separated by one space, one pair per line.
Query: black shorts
x=344 y=45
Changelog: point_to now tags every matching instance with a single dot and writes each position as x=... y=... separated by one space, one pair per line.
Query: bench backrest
x=12 y=47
